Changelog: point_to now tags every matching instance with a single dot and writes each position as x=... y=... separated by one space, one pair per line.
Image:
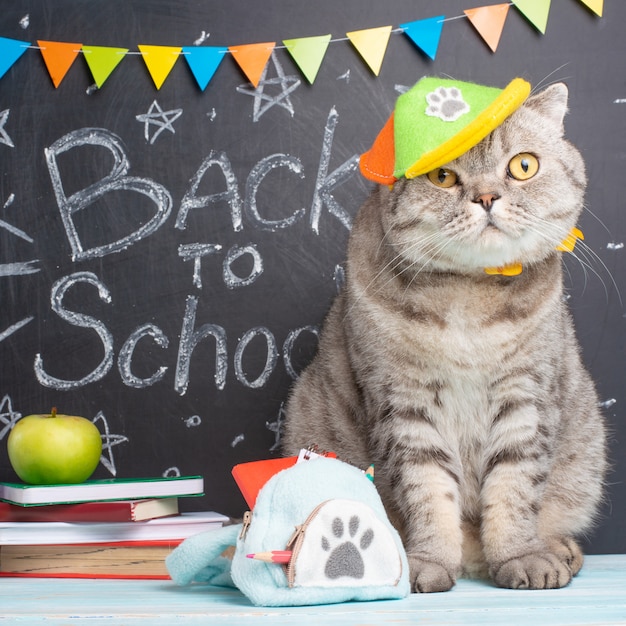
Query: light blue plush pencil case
x=331 y=518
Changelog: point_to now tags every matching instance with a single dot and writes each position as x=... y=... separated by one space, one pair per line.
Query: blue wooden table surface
x=596 y=596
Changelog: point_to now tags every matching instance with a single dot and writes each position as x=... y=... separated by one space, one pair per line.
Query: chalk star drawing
x=16 y=269
x=156 y=116
x=108 y=441
x=4 y=136
x=8 y=416
x=288 y=84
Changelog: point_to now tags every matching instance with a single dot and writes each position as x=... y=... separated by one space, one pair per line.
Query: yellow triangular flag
x=58 y=58
x=308 y=53
x=252 y=59
x=371 y=45
x=159 y=60
x=489 y=22
x=594 y=5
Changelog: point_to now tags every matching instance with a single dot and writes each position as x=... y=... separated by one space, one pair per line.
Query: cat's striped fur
x=466 y=390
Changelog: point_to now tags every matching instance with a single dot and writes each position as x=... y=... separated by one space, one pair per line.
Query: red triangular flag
x=252 y=59
x=58 y=58
x=489 y=22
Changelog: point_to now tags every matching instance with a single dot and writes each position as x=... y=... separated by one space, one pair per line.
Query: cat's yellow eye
x=523 y=166
x=442 y=177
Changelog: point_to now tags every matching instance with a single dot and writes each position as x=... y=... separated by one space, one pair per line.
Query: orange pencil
x=275 y=556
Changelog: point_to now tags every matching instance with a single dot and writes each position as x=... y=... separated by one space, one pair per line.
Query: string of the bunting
x=307 y=53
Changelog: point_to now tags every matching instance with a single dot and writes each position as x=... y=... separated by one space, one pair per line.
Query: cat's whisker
x=541 y=83
x=583 y=253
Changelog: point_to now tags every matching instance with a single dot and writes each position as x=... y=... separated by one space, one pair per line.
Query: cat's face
x=511 y=199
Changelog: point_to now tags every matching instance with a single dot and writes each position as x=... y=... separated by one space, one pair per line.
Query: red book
x=120 y=511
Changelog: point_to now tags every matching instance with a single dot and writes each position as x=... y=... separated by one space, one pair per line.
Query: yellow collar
x=514 y=269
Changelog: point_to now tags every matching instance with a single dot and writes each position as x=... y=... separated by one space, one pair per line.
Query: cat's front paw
x=533 y=571
x=429 y=577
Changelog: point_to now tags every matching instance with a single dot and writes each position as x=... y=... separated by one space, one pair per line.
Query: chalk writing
x=195 y=252
x=81 y=320
x=232 y=280
x=128 y=349
x=270 y=361
x=230 y=195
x=256 y=176
x=116 y=180
x=326 y=183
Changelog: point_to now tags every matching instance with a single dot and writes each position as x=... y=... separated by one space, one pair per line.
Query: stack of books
x=113 y=528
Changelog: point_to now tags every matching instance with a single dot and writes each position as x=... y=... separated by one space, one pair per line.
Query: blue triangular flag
x=425 y=34
x=10 y=51
x=203 y=61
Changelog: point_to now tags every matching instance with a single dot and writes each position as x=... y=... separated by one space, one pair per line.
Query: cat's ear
x=551 y=102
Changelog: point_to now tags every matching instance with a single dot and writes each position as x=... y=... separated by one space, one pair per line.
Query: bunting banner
x=307 y=52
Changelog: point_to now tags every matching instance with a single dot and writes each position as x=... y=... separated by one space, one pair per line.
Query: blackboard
x=169 y=254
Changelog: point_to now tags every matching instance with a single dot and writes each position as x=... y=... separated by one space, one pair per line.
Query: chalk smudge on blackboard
x=193 y=421
x=237 y=440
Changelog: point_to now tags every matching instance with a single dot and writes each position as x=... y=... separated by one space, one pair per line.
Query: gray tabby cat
x=466 y=390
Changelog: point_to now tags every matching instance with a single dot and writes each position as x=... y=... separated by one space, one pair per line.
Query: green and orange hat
x=435 y=122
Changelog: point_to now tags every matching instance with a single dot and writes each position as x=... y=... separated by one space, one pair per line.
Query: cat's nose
x=486 y=200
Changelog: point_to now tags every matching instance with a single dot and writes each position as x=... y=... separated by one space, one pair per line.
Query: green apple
x=52 y=449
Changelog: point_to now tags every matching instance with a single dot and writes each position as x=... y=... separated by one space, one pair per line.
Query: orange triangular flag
x=489 y=22
x=159 y=60
x=371 y=45
x=252 y=59
x=594 y=5
x=58 y=58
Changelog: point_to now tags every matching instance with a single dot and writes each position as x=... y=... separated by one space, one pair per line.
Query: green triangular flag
x=535 y=11
x=102 y=61
x=308 y=53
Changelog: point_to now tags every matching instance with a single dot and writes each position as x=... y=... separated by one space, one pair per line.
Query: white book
x=159 y=529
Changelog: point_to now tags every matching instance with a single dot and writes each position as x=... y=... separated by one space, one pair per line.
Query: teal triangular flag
x=10 y=51
x=425 y=34
x=203 y=61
